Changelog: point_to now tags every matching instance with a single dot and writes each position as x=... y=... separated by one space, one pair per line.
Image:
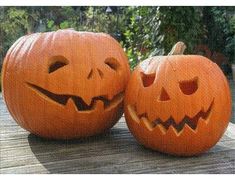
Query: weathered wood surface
x=113 y=152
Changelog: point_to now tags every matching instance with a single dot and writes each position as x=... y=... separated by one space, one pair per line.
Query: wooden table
x=113 y=152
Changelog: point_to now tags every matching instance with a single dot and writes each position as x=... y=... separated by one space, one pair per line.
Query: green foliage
x=181 y=24
x=154 y=30
x=230 y=40
x=141 y=35
x=220 y=23
x=14 y=23
x=50 y=24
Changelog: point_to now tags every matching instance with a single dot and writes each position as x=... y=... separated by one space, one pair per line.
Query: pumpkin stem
x=178 y=48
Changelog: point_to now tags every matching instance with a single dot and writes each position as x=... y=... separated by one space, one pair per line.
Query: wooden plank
x=72 y=155
x=79 y=149
x=128 y=163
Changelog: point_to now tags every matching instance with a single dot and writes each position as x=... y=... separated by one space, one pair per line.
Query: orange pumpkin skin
x=65 y=84
x=178 y=104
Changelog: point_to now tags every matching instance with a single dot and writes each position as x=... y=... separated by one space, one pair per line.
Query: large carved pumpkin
x=178 y=104
x=65 y=84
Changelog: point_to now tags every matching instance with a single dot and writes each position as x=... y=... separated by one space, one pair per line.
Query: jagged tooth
x=201 y=123
x=115 y=101
x=152 y=117
x=178 y=117
x=133 y=114
x=163 y=117
x=71 y=105
x=110 y=96
x=172 y=131
x=160 y=128
x=98 y=105
x=146 y=123
x=87 y=100
x=206 y=105
x=208 y=118
x=191 y=114
x=140 y=111
x=187 y=130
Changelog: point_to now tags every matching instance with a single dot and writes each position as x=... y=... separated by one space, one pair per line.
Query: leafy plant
x=220 y=25
x=154 y=30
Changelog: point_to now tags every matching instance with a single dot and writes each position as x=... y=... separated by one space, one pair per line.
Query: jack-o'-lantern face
x=178 y=104
x=65 y=84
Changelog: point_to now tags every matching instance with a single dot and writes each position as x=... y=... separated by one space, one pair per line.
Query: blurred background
x=142 y=31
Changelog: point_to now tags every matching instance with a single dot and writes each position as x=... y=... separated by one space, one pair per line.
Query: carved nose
x=95 y=72
x=164 y=95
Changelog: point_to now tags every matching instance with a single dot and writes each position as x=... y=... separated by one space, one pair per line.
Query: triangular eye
x=189 y=87
x=147 y=79
x=57 y=62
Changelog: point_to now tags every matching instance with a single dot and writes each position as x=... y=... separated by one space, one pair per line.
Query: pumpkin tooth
x=117 y=99
x=201 y=123
x=177 y=117
x=110 y=96
x=132 y=111
x=164 y=118
x=172 y=131
x=207 y=105
x=207 y=114
x=140 y=111
x=187 y=129
x=87 y=100
x=147 y=124
x=161 y=128
x=207 y=119
x=98 y=105
x=71 y=105
x=191 y=114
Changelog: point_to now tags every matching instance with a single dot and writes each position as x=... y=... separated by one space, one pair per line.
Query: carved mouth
x=165 y=125
x=63 y=99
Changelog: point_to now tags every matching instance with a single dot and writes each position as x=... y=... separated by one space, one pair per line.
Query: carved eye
x=147 y=79
x=57 y=62
x=112 y=63
x=189 y=87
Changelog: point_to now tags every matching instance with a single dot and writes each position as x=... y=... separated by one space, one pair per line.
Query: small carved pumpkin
x=65 y=84
x=178 y=104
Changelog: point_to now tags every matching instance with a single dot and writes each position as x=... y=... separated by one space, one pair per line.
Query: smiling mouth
x=63 y=99
x=165 y=125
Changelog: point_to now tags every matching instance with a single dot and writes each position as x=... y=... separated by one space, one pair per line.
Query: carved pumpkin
x=65 y=84
x=178 y=104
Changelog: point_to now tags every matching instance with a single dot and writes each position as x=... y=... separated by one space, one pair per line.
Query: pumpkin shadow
x=110 y=152
x=75 y=156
